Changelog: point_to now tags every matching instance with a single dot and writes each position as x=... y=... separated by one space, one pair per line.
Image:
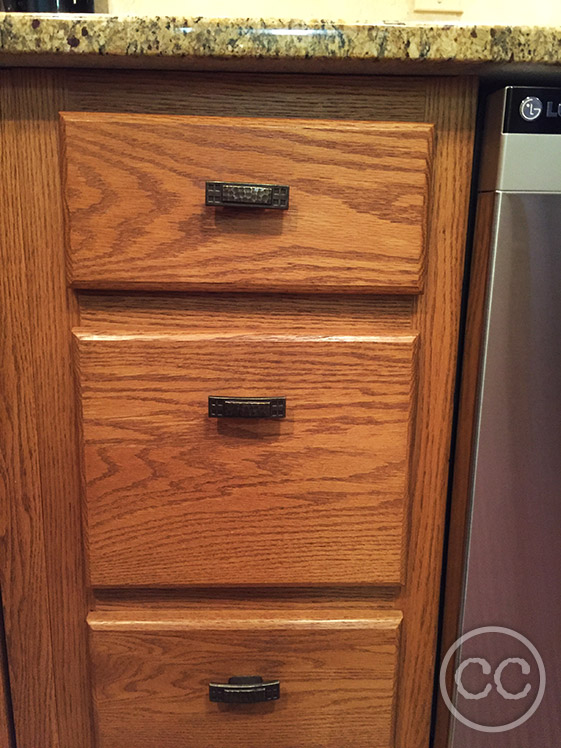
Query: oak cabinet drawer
x=177 y=498
x=152 y=672
x=135 y=194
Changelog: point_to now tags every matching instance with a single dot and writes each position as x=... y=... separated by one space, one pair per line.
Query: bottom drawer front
x=337 y=680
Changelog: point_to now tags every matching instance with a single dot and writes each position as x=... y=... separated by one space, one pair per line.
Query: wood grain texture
x=42 y=578
x=337 y=678
x=343 y=598
x=337 y=97
x=451 y=105
x=6 y=717
x=471 y=365
x=317 y=497
x=135 y=194
x=316 y=314
x=23 y=568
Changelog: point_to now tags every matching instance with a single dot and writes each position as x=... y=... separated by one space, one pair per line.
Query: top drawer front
x=135 y=191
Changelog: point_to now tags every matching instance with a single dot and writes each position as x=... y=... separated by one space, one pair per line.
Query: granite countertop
x=128 y=41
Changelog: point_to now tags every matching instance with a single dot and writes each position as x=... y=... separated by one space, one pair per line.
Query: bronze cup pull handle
x=244 y=689
x=246 y=407
x=244 y=195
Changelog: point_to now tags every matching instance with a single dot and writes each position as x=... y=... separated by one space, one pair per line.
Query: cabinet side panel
x=43 y=587
x=451 y=106
x=463 y=457
x=6 y=721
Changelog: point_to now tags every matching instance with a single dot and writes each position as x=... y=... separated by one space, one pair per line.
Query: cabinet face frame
x=45 y=597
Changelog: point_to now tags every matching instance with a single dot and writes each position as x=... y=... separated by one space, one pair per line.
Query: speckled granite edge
x=151 y=37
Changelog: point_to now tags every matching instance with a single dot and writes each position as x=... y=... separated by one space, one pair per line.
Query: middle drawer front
x=177 y=498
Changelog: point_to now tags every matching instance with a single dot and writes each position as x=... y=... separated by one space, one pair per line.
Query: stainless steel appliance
x=513 y=564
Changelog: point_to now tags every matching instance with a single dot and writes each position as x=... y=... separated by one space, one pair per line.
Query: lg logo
x=532 y=107
x=495 y=679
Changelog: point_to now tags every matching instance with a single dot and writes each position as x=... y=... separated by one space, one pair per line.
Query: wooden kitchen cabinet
x=150 y=550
